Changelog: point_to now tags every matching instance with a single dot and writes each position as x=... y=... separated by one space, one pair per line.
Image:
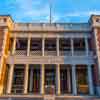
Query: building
x=42 y=59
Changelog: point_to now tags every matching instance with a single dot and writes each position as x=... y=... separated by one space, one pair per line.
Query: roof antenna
x=50 y=8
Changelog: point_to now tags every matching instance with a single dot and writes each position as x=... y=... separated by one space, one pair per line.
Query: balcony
x=77 y=46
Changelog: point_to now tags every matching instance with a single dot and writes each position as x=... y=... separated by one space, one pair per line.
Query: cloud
x=38 y=10
x=83 y=13
x=30 y=9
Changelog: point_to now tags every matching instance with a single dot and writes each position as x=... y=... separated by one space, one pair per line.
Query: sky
x=38 y=10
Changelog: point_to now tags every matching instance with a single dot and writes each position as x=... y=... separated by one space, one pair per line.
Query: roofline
x=51 y=23
x=8 y=15
x=93 y=15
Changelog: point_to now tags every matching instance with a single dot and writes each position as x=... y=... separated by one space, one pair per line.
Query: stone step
x=50 y=97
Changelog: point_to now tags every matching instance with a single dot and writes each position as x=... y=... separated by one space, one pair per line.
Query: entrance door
x=49 y=81
x=82 y=83
x=63 y=81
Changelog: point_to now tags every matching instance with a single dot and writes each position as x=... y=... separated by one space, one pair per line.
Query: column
x=26 y=79
x=57 y=46
x=14 y=46
x=72 y=46
x=10 y=79
x=58 y=79
x=74 y=87
x=43 y=46
x=86 y=46
x=42 y=78
x=90 y=80
x=68 y=80
x=31 y=80
x=28 y=46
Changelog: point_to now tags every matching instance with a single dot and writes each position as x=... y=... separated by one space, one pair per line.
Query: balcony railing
x=82 y=53
x=17 y=88
x=20 y=52
x=53 y=26
x=54 y=53
x=79 y=53
x=50 y=53
x=36 y=53
x=65 y=53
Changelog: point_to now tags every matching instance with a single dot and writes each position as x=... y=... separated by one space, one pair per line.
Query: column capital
x=73 y=65
x=58 y=36
x=6 y=30
x=29 y=37
x=89 y=65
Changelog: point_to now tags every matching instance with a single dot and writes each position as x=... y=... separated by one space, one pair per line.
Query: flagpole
x=50 y=8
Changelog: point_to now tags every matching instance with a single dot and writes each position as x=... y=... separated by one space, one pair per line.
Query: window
x=5 y=20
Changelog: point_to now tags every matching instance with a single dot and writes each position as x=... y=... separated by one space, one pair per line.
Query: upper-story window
x=98 y=20
x=5 y=20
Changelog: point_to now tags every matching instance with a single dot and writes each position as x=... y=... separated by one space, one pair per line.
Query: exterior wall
x=5 y=25
x=2 y=69
x=96 y=68
x=95 y=19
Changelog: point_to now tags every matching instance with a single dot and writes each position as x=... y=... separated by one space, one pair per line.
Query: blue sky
x=38 y=10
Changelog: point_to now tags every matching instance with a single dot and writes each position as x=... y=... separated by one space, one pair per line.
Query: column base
x=58 y=94
x=1 y=89
x=97 y=89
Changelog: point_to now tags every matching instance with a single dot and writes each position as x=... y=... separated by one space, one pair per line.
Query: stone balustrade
x=51 y=27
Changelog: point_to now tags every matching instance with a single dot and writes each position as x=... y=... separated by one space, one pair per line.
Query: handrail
x=39 y=53
x=20 y=52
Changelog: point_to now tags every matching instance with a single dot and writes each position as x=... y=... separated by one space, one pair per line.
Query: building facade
x=42 y=59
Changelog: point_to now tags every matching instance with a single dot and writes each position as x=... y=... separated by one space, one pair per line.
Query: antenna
x=50 y=8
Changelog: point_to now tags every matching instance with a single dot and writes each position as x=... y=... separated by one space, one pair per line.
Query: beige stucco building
x=42 y=59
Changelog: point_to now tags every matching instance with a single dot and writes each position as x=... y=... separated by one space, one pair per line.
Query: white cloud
x=83 y=13
x=35 y=10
